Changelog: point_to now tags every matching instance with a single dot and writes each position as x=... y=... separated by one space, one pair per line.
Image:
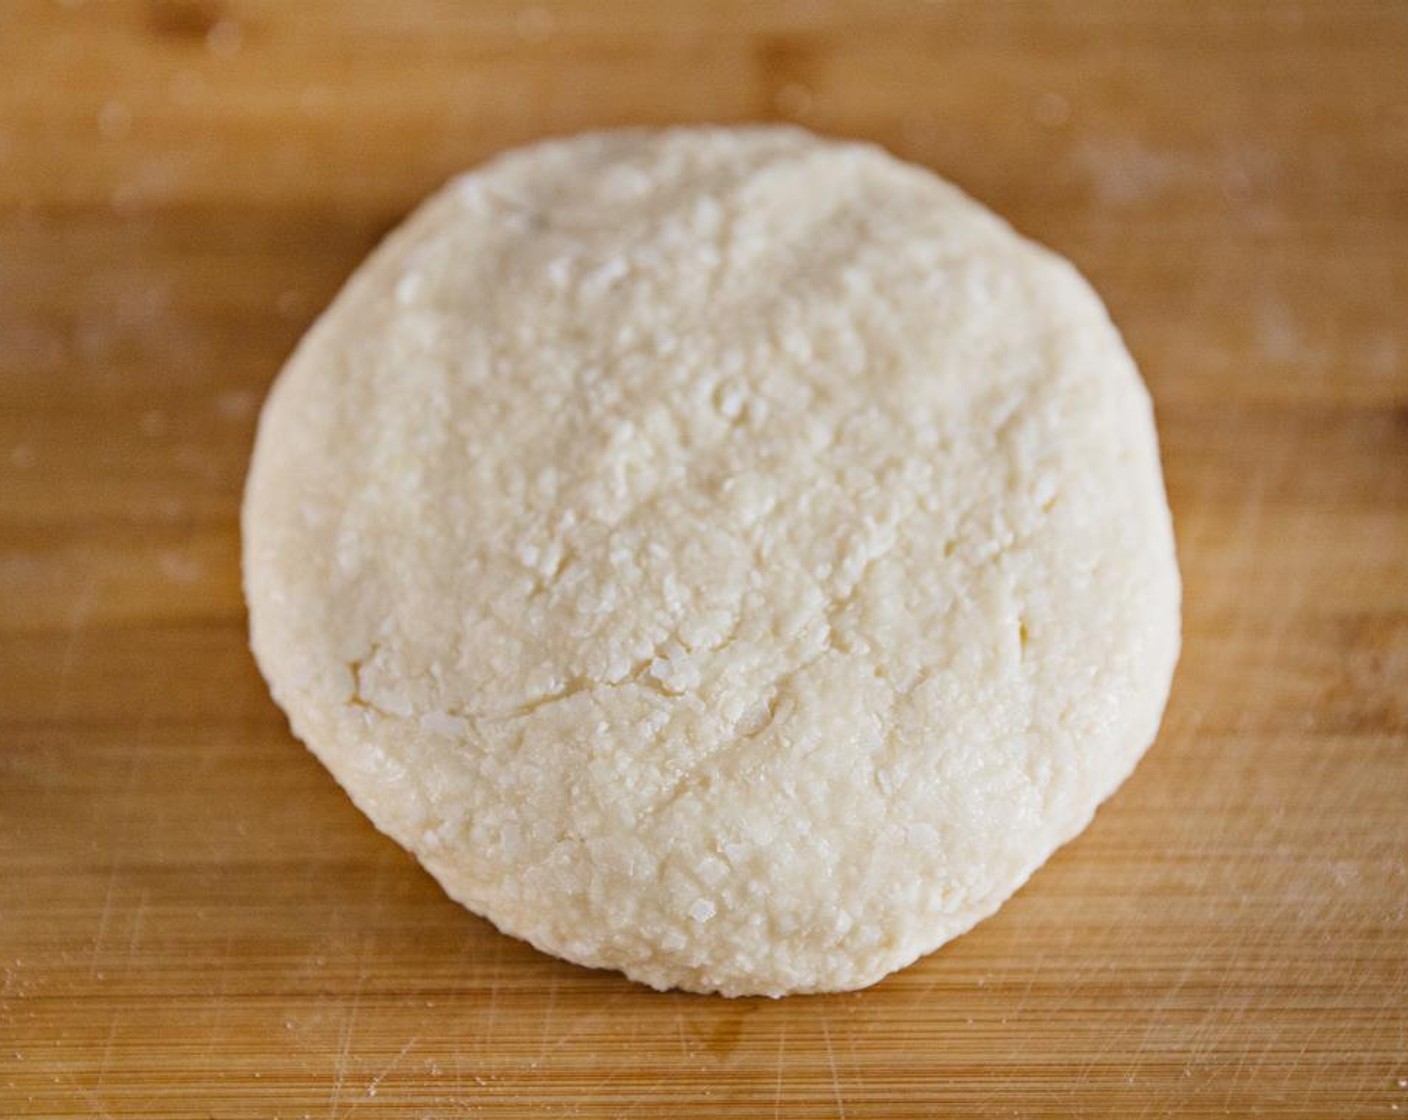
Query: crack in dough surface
x=723 y=555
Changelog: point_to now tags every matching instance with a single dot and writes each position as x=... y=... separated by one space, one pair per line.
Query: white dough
x=722 y=555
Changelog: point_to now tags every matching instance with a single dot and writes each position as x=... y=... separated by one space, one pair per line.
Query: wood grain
x=194 y=921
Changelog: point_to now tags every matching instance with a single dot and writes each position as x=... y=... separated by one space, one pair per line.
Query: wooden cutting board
x=194 y=921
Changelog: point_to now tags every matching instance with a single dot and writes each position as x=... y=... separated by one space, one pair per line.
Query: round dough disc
x=722 y=555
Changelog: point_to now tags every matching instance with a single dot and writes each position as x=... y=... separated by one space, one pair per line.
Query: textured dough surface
x=722 y=555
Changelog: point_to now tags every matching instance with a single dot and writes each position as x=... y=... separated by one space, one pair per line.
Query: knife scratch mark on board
x=139 y=921
x=495 y=979
x=77 y=615
x=644 y=1094
x=103 y=918
x=349 y=1024
x=584 y=1022
x=781 y=1061
x=107 y=1054
x=99 y=1104
x=548 y=1010
x=831 y=1064
x=380 y=1077
x=1032 y=973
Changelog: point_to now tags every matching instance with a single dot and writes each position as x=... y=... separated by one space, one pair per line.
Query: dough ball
x=723 y=555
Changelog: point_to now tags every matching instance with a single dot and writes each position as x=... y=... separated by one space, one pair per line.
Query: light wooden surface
x=194 y=921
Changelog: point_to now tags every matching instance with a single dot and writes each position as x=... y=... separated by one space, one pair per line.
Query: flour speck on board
x=534 y=24
x=1051 y=109
x=224 y=38
x=114 y=120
